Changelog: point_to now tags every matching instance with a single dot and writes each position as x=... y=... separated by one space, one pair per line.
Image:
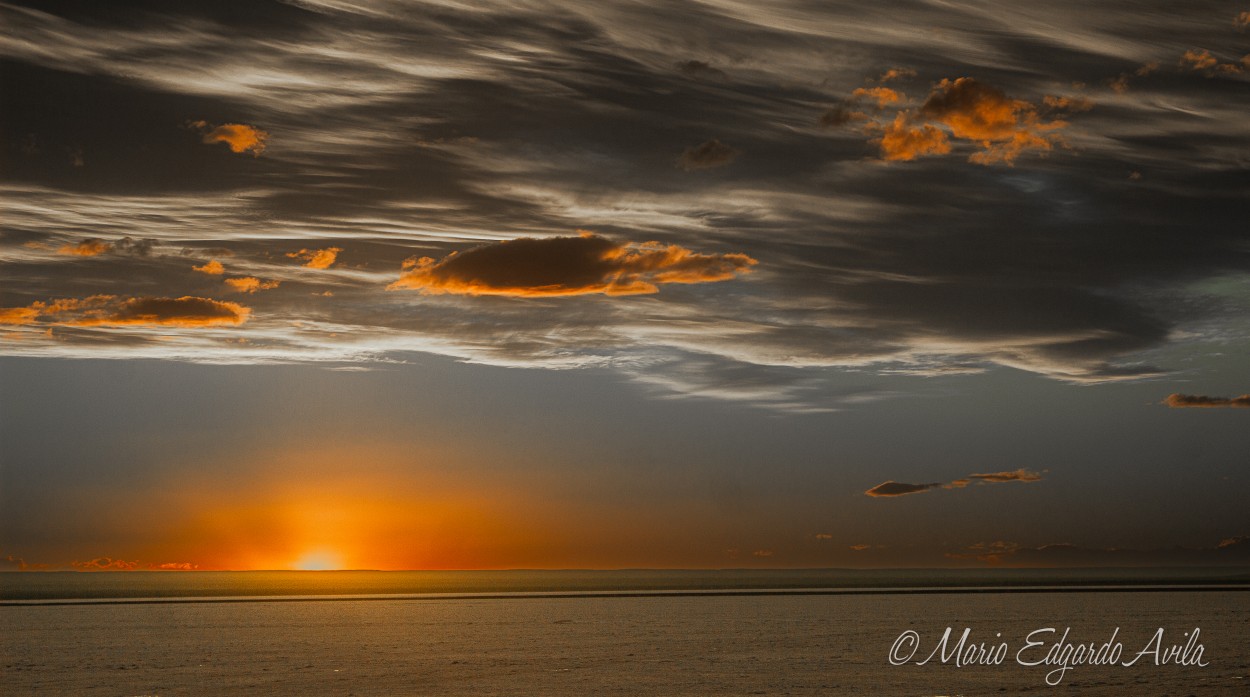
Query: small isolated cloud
x=893 y=488
x=175 y=566
x=839 y=116
x=12 y=563
x=1195 y=59
x=1195 y=401
x=860 y=548
x=212 y=268
x=86 y=248
x=823 y=536
x=1069 y=104
x=1242 y=20
x=105 y=564
x=561 y=266
x=896 y=74
x=707 y=155
x=883 y=96
x=110 y=310
x=762 y=553
x=239 y=137
x=1120 y=84
x=250 y=284
x=700 y=69
x=317 y=258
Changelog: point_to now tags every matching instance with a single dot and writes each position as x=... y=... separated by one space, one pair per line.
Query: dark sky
x=623 y=284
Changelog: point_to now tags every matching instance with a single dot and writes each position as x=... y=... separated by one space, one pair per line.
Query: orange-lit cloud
x=239 y=137
x=763 y=553
x=840 y=116
x=317 y=258
x=86 y=248
x=1020 y=475
x=860 y=548
x=707 y=155
x=560 y=266
x=1194 y=401
x=105 y=564
x=109 y=310
x=175 y=566
x=1195 y=59
x=1004 y=127
x=893 y=488
x=212 y=268
x=1120 y=84
x=1242 y=20
x=901 y=141
x=896 y=74
x=1071 y=104
x=20 y=315
x=883 y=96
x=250 y=284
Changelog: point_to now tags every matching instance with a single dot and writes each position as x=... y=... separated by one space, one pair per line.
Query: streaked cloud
x=112 y=311
x=892 y=488
x=562 y=266
x=1194 y=401
x=86 y=248
x=882 y=96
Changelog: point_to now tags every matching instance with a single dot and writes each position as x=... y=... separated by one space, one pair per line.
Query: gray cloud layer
x=394 y=132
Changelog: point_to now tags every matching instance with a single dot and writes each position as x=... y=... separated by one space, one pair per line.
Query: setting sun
x=319 y=560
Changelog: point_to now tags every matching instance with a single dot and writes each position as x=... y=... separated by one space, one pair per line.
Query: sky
x=409 y=285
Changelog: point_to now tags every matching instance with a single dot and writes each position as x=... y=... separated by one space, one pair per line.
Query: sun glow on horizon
x=319 y=560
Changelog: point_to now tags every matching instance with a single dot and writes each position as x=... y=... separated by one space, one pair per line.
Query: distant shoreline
x=82 y=588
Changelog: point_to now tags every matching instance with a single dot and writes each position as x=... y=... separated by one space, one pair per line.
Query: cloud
x=708 y=155
x=823 y=536
x=1193 y=401
x=762 y=553
x=175 y=566
x=1231 y=551
x=860 y=548
x=12 y=563
x=250 y=284
x=1242 y=20
x=317 y=258
x=1003 y=126
x=1120 y=84
x=86 y=248
x=893 y=488
x=1020 y=475
x=105 y=564
x=700 y=69
x=560 y=266
x=212 y=268
x=883 y=96
x=840 y=115
x=1070 y=104
x=1195 y=59
x=239 y=137
x=896 y=74
x=901 y=141
x=109 y=310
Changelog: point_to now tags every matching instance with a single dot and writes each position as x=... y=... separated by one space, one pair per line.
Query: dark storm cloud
x=398 y=131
